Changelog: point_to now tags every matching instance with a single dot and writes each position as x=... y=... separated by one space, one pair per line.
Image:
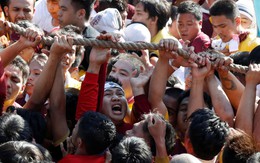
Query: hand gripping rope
x=212 y=54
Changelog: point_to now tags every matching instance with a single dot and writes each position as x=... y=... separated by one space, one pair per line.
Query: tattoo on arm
x=228 y=84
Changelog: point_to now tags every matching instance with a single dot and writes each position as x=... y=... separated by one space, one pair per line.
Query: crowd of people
x=66 y=102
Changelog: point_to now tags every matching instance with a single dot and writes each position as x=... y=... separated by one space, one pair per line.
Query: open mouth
x=117 y=109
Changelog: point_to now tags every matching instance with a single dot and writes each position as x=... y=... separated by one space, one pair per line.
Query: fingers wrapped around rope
x=215 y=57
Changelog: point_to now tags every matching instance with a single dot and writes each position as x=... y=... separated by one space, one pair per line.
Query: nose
x=115 y=98
x=21 y=15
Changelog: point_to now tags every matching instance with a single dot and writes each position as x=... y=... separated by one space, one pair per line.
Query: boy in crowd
x=226 y=22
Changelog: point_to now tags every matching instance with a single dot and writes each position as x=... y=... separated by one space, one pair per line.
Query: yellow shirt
x=249 y=43
x=162 y=34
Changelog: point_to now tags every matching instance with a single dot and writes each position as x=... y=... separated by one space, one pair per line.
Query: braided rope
x=130 y=46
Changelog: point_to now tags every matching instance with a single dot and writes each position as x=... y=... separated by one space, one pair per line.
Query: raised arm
x=232 y=87
x=219 y=99
x=89 y=87
x=43 y=86
x=196 y=99
x=160 y=76
x=32 y=39
x=57 y=109
x=246 y=109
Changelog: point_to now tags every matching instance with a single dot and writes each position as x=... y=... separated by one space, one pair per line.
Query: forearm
x=233 y=88
x=57 y=109
x=158 y=84
x=245 y=112
x=196 y=100
x=10 y=52
x=220 y=101
x=44 y=83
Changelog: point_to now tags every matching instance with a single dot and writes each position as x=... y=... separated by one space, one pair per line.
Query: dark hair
x=7 y=2
x=227 y=8
x=255 y=158
x=207 y=133
x=174 y=13
x=206 y=97
x=189 y=7
x=120 y=5
x=238 y=148
x=96 y=131
x=36 y=122
x=19 y=63
x=22 y=152
x=254 y=55
x=169 y=135
x=114 y=80
x=132 y=150
x=14 y=128
x=160 y=9
x=71 y=106
x=241 y=58
x=87 y=5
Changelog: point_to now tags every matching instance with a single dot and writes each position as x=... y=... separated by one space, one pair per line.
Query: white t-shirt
x=42 y=17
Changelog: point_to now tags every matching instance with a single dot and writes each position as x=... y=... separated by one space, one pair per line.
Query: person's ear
x=81 y=14
x=154 y=19
x=22 y=89
x=238 y=20
x=79 y=142
x=6 y=11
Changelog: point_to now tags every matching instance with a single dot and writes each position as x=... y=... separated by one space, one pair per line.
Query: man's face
x=188 y=26
x=35 y=71
x=182 y=119
x=14 y=82
x=53 y=8
x=171 y=104
x=68 y=59
x=123 y=71
x=114 y=104
x=224 y=27
x=19 y=10
x=66 y=14
x=141 y=16
x=137 y=130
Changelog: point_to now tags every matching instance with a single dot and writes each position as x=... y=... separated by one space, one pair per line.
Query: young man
x=154 y=14
x=16 y=74
x=16 y=10
x=226 y=22
x=92 y=136
x=189 y=24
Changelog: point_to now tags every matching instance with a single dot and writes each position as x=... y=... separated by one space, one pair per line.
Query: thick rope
x=133 y=46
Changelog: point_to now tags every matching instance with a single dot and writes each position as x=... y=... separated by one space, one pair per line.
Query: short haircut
x=7 y=2
x=40 y=58
x=14 y=128
x=254 y=56
x=19 y=63
x=238 y=148
x=207 y=133
x=135 y=62
x=227 y=8
x=189 y=7
x=255 y=158
x=96 y=131
x=21 y=151
x=169 y=135
x=87 y=5
x=160 y=8
x=132 y=150
x=120 y=5
x=241 y=58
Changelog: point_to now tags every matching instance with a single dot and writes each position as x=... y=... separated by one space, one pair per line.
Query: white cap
x=246 y=7
x=108 y=20
x=137 y=32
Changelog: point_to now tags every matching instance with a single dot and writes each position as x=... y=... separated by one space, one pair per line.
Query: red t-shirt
x=82 y=159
